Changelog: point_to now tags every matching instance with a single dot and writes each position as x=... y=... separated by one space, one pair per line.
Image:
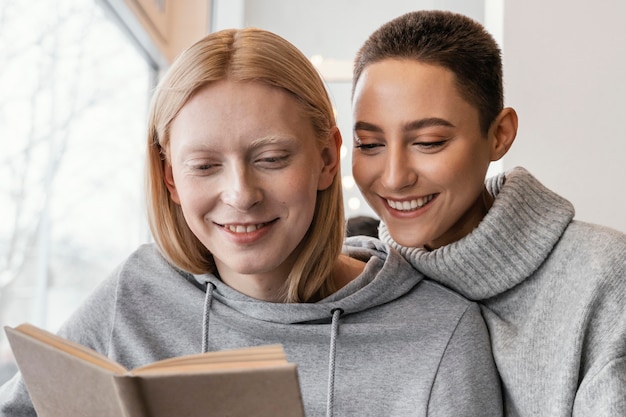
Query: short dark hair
x=447 y=39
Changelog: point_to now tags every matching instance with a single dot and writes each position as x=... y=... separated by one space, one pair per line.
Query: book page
x=72 y=348
x=249 y=357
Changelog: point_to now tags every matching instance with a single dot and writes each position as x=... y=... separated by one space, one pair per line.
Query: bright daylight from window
x=73 y=99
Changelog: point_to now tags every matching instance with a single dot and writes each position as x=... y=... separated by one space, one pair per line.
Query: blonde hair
x=244 y=55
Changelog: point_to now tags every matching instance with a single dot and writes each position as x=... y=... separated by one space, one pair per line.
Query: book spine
x=130 y=397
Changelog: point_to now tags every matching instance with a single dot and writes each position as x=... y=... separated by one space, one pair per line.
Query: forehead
x=406 y=77
x=410 y=87
x=227 y=95
x=227 y=111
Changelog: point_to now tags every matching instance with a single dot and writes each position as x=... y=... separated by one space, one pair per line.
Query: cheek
x=362 y=170
x=297 y=205
x=192 y=198
x=463 y=176
x=296 y=187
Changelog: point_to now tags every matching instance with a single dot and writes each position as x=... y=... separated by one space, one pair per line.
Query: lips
x=410 y=205
x=242 y=228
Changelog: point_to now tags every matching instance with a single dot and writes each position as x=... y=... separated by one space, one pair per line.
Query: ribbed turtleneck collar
x=513 y=239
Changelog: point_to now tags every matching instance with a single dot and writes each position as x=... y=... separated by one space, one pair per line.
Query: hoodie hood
x=386 y=277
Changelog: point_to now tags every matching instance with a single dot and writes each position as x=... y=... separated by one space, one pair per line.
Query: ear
x=168 y=177
x=502 y=132
x=330 y=159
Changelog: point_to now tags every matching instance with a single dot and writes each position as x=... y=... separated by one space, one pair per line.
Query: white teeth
x=409 y=205
x=240 y=228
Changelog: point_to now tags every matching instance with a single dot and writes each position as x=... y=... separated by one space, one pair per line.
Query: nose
x=398 y=172
x=241 y=189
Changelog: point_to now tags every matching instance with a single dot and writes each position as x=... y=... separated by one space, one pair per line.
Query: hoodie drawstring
x=334 y=330
x=205 y=320
x=330 y=402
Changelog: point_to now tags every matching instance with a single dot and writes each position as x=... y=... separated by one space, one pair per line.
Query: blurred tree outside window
x=74 y=91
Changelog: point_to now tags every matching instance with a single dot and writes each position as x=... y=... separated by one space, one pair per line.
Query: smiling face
x=245 y=168
x=420 y=158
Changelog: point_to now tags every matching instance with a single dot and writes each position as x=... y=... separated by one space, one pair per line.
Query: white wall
x=565 y=74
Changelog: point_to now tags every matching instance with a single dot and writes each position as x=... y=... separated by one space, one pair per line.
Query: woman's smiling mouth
x=410 y=205
x=241 y=228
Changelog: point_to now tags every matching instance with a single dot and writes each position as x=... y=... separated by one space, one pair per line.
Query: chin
x=408 y=241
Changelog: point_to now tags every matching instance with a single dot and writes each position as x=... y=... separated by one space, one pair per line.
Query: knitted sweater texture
x=553 y=294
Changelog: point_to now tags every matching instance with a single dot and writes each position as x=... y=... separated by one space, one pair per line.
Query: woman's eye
x=431 y=145
x=367 y=147
x=202 y=168
x=273 y=161
x=205 y=166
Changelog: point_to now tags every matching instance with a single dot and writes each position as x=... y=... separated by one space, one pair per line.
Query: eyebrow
x=267 y=140
x=428 y=122
x=414 y=125
x=254 y=143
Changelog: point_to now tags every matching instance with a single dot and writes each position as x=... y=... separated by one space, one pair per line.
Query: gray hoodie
x=391 y=343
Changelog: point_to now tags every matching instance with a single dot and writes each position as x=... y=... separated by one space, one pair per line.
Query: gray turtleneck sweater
x=393 y=344
x=553 y=293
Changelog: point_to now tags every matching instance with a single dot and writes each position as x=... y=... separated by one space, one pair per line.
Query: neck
x=487 y=200
x=346 y=270
x=266 y=286
x=269 y=287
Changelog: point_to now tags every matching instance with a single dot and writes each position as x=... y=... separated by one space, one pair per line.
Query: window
x=74 y=91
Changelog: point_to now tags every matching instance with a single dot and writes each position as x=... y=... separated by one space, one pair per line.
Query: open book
x=65 y=379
